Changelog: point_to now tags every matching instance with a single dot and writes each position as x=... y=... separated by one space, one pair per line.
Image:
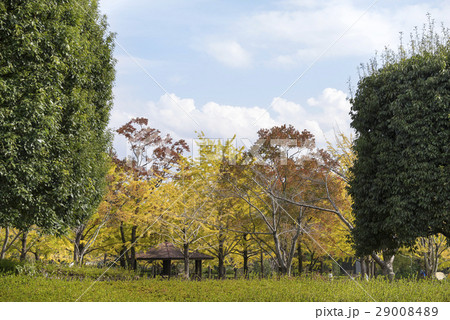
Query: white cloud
x=299 y=31
x=332 y=110
x=321 y=116
x=119 y=118
x=285 y=109
x=180 y=116
x=305 y=34
x=229 y=53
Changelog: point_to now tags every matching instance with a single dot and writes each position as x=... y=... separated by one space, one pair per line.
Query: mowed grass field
x=32 y=288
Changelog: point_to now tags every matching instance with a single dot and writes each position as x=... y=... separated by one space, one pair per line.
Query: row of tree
x=224 y=201
x=58 y=180
x=283 y=198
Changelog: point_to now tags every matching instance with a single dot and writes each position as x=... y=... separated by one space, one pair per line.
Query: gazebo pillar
x=166 y=268
x=198 y=268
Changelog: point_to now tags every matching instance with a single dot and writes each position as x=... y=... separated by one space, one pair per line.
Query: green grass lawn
x=39 y=288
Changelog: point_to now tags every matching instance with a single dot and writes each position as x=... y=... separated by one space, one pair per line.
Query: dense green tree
x=401 y=113
x=56 y=77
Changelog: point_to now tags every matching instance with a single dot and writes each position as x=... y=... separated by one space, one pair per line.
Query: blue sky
x=229 y=67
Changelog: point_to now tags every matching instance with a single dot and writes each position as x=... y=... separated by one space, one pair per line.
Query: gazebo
x=167 y=252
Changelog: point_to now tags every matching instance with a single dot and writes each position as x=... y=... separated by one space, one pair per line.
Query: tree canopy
x=56 y=77
x=401 y=113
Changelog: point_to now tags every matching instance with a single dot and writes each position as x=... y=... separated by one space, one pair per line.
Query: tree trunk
x=5 y=243
x=387 y=264
x=312 y=263
x=186 y=260
x=388 y=270
x=245 y=256
x=283 y=268
x=36 y=255
x=133 y=248
x=300 y=258
x=427 y=265
x=435 y=259
x=291 y=252
x=364 y=267
x=221 y=257
x=374 y=269
x=430 y=256
x=123 y=262
x=124 y=259
x=262 y=264
x=77 y=247
x=23 y=249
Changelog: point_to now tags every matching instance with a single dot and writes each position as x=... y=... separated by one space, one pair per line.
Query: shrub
x=8 y=266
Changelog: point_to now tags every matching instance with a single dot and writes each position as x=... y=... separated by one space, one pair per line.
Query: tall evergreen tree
x=56 y=78
x=401 y=113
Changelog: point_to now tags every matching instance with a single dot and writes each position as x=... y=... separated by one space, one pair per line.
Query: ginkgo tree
x=133 y=202
x=225 y=221
x=183 y=221
x=130 y=206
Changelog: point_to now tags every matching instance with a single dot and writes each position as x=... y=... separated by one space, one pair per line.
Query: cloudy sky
x=233 y=67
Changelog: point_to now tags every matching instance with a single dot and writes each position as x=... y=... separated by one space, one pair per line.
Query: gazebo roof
x=167 y=251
